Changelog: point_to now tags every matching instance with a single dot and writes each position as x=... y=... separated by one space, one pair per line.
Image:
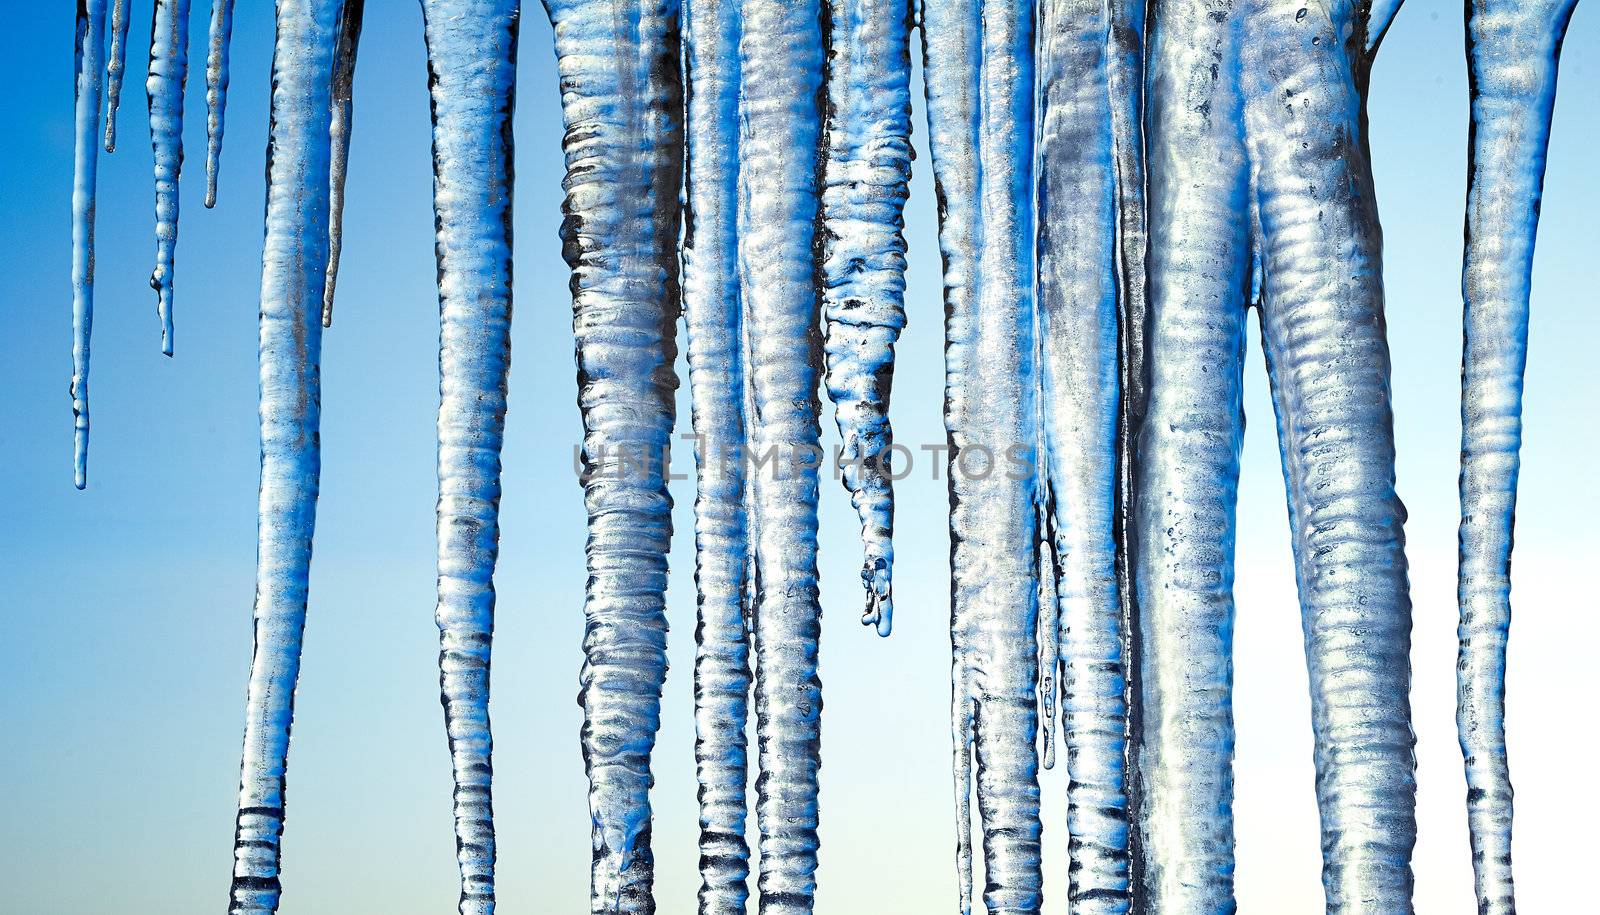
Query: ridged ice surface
x=344 y=74
x=781 y=66
x=472 y=57
x=1187 y=460
x=717 y=379
x=292 y=269
x=1512 y=50
x=169 y=71
x=218 y=38
x=979 y=71
x=116 y=65
x=621 y=100
x=90 y=56
x=866 y=172
x=1322 y=313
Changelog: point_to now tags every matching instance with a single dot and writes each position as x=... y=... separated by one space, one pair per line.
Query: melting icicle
x=716 y=384
x=293 y=264
x=621 y=99
x=115 y=65
x=978 y=64
x=169 y=70
x=91 y=39
x=344 y=74
x=472 y=56
x=1078 y=295
x=866 y=173
x=1512 y=53
x=1322 y=314
x=216 y=90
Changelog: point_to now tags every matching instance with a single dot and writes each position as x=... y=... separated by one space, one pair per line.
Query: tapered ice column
x=472 y=58
x=221 y=33
x=90 y=54
x=866 y=173
x=169 y=71
x=293 y=264
x=115 y=65
x=344 y=75
x=621 y=99
x=1512 y=53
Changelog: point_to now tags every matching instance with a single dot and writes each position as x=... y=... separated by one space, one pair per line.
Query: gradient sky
x=127 y=607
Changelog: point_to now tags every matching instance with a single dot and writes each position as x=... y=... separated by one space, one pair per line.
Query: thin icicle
x=90 y=52
x=1379 y=15
x=621 y=100
x=169 y=71
x=1322 y=314
x=867 y=169
x=1078 y=295
x=344 y=75
x=1186 y=468
x=115 y=65
x=1512 y=53
x=472 y=57
x=979 y=68
x=781 y=66
x=717 y=384
x=216 y=90
x=292 y=270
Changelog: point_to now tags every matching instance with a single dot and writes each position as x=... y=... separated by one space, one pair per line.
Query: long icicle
x=717 y=383
x=621 y=100
x=115 y=66
x=1186 y=471
x=472 y=58
x=169 y=71
x=221 y=34
x=344 y=74
x=979 y=68
x=781 y=67
x=292 y=270
x=1078 y=295
x=1322 y=315
x=1513 y=49
x=90 y=53
x=865 y=178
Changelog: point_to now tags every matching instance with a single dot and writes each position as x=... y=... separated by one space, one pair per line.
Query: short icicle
x=621 y=99
x=866 y=173
x=472 y=56
x=90 y=54
x=221 y=34
x=292 y=270
x=344 y=75
x=1512 y=54
x=169 y=71
x=115 y=66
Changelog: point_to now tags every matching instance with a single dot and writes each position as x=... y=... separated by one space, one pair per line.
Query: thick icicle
x=1078 y=294
x=1322 y=314
x=865 y=178
x=717 y=385
x=216 y=90
x=1512 y=54
x=979 y=68
x=91 y=38
x=292 y=270
x=780 y=138
x=1186 y=465
x=344 y=75
x=115 y=65
x=472 y=57
x=169 y=71
x=621 y=100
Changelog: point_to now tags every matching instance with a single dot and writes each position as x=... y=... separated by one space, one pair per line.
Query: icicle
x=216 y=90
x=1379 y=15
x=621 y=99
x=1186 y=471
x=717 y=384
x=472 y=55
x=293 y=264
x=343 y=111
x=1512 y=53
x=781 y=66
x=115 y=65
x=91 y=36
x=1078 y=295
x=979 y=68
x=866 y=172
x=169 y=71
x=1322 y=313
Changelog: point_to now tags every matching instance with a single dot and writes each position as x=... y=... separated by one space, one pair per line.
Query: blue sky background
x=126 y=642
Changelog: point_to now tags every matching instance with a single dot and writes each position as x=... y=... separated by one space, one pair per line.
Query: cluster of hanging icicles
x=1118 y=184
